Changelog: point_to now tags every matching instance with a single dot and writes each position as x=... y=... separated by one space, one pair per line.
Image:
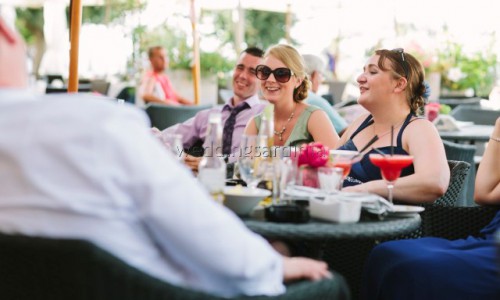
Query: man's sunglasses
x=403 y=61
x=282 y=75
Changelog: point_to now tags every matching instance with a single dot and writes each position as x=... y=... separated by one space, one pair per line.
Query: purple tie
x=227 y=134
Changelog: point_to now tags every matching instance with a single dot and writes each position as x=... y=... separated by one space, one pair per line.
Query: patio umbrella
x=196 y=54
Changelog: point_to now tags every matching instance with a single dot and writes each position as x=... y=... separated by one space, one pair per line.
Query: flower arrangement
x=310 y=158
x=461 y=72
x=471 y=73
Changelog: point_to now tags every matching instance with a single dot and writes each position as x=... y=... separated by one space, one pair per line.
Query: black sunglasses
x=403 y=62
x=282 y=75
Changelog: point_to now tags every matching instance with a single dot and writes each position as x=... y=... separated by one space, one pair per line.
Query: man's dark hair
x=254 y=51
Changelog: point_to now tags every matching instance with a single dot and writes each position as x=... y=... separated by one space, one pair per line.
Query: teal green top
x=299 y=134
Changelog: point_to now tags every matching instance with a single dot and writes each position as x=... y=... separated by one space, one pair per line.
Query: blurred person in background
x=156 y=86
x=314 y=68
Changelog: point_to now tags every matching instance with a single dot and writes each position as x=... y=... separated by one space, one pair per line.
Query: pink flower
x=432 y=111
x=314 y=155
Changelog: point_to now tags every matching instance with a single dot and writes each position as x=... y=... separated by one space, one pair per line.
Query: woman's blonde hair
x=294 y=61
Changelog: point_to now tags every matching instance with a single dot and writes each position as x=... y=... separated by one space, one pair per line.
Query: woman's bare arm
x=487 y=188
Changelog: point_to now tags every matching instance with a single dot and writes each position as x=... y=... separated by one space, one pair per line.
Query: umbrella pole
x=196 y=56
x=76 y=20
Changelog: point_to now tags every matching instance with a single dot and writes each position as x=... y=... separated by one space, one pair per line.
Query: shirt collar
x=252 y=101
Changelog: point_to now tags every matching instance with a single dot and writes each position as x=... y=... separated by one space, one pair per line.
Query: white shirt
x=84 y=167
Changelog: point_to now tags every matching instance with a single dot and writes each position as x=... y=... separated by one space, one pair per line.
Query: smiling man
x=238 y=110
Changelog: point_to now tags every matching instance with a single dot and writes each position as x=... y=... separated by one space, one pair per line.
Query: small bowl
x=242 y=200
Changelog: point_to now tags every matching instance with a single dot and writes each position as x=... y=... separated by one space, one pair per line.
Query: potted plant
x=465 y=74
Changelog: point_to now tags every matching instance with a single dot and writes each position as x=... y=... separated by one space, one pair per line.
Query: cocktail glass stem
x=390 y=187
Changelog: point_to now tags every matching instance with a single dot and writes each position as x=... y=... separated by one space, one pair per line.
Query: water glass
x=249 y=161
x=288 y=178
x=330 y=179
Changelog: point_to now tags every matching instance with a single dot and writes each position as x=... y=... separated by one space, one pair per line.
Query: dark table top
x=317 y=230
x=475 y=133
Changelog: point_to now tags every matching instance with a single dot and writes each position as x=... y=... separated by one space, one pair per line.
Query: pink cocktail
x=390 y=167
x=343 y=159
x=345 y=165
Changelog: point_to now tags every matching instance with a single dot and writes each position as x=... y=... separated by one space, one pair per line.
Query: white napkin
x=373 y=203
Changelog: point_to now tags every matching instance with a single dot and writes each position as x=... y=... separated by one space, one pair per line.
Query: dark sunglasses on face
x=282 y=75
x=403 y=61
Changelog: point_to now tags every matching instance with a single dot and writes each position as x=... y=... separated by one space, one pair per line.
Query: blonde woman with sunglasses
x=284 y=83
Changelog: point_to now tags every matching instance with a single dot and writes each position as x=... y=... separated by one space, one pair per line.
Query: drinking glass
x=344 y=159
x=250 y=159
x=390 y=168
x=330 y=179
x=288 y=177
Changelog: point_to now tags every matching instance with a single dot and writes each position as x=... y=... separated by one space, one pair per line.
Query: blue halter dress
x=364 y=170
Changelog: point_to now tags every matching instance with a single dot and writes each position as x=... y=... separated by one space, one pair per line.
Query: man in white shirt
x=77 y=166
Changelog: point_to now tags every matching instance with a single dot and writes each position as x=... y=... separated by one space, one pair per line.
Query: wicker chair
x=163 y=116
x=456 y=222
x=61 y=269
x=458 y=172
x=465 y=153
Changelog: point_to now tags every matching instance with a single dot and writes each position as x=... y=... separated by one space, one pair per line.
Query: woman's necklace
x=388 y=131
x=280 y=133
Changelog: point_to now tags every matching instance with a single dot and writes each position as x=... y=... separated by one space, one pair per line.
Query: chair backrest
x=43 y=268
x=463 y=152
x=100 y=86
x=127 y=94
x=478 y=115
x=458 y=172
x=163 y=116
x=61 y=269
x=456 y=222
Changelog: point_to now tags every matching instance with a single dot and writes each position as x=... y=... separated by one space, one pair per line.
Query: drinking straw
x=392 y=138
x=373 y=140
x=379 y=152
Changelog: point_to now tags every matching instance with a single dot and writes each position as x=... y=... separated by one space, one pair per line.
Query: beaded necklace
x=280 y=133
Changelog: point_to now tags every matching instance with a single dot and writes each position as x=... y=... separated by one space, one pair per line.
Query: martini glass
x=344 y=159
x=390 y=167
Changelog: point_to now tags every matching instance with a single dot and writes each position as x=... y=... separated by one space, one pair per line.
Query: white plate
x=405 y=210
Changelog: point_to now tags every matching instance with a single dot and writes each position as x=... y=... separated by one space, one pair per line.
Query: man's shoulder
x=93 y=109
x=206 y=112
